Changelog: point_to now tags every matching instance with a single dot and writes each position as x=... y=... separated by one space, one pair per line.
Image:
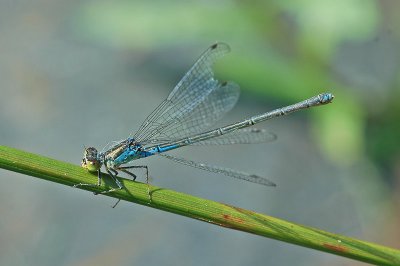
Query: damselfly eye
x=90 y=160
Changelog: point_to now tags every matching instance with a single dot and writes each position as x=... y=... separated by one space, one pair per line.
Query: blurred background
x=77 y=73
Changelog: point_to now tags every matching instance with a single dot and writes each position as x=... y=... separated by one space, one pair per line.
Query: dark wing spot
x=214 y=46
x=224 y=83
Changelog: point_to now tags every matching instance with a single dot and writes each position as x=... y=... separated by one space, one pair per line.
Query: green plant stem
x=200 y=209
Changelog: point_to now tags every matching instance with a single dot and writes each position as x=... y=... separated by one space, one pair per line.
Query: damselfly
x=182 y=119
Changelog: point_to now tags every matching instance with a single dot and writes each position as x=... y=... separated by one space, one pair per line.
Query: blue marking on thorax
x=130 y=153
x=127 y=156
x=135 y=152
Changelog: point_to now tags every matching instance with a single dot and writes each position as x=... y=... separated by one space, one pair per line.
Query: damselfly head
x=90 y=160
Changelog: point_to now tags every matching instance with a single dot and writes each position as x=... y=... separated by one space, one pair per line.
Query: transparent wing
x=191 y=101
x=212 y=108
x=226 y=171
x=241 y=136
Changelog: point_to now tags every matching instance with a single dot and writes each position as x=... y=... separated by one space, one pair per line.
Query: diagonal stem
x=201 y=209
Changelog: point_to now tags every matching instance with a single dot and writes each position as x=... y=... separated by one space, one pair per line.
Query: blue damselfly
x=183 y=118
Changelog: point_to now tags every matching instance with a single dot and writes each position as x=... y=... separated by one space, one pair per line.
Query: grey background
x=61 y=90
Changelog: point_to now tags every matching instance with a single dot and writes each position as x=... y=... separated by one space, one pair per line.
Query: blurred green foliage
x=71 y=71
x=282 y=50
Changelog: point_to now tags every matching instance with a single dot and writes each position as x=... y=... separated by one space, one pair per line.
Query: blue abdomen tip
x=327 y=97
